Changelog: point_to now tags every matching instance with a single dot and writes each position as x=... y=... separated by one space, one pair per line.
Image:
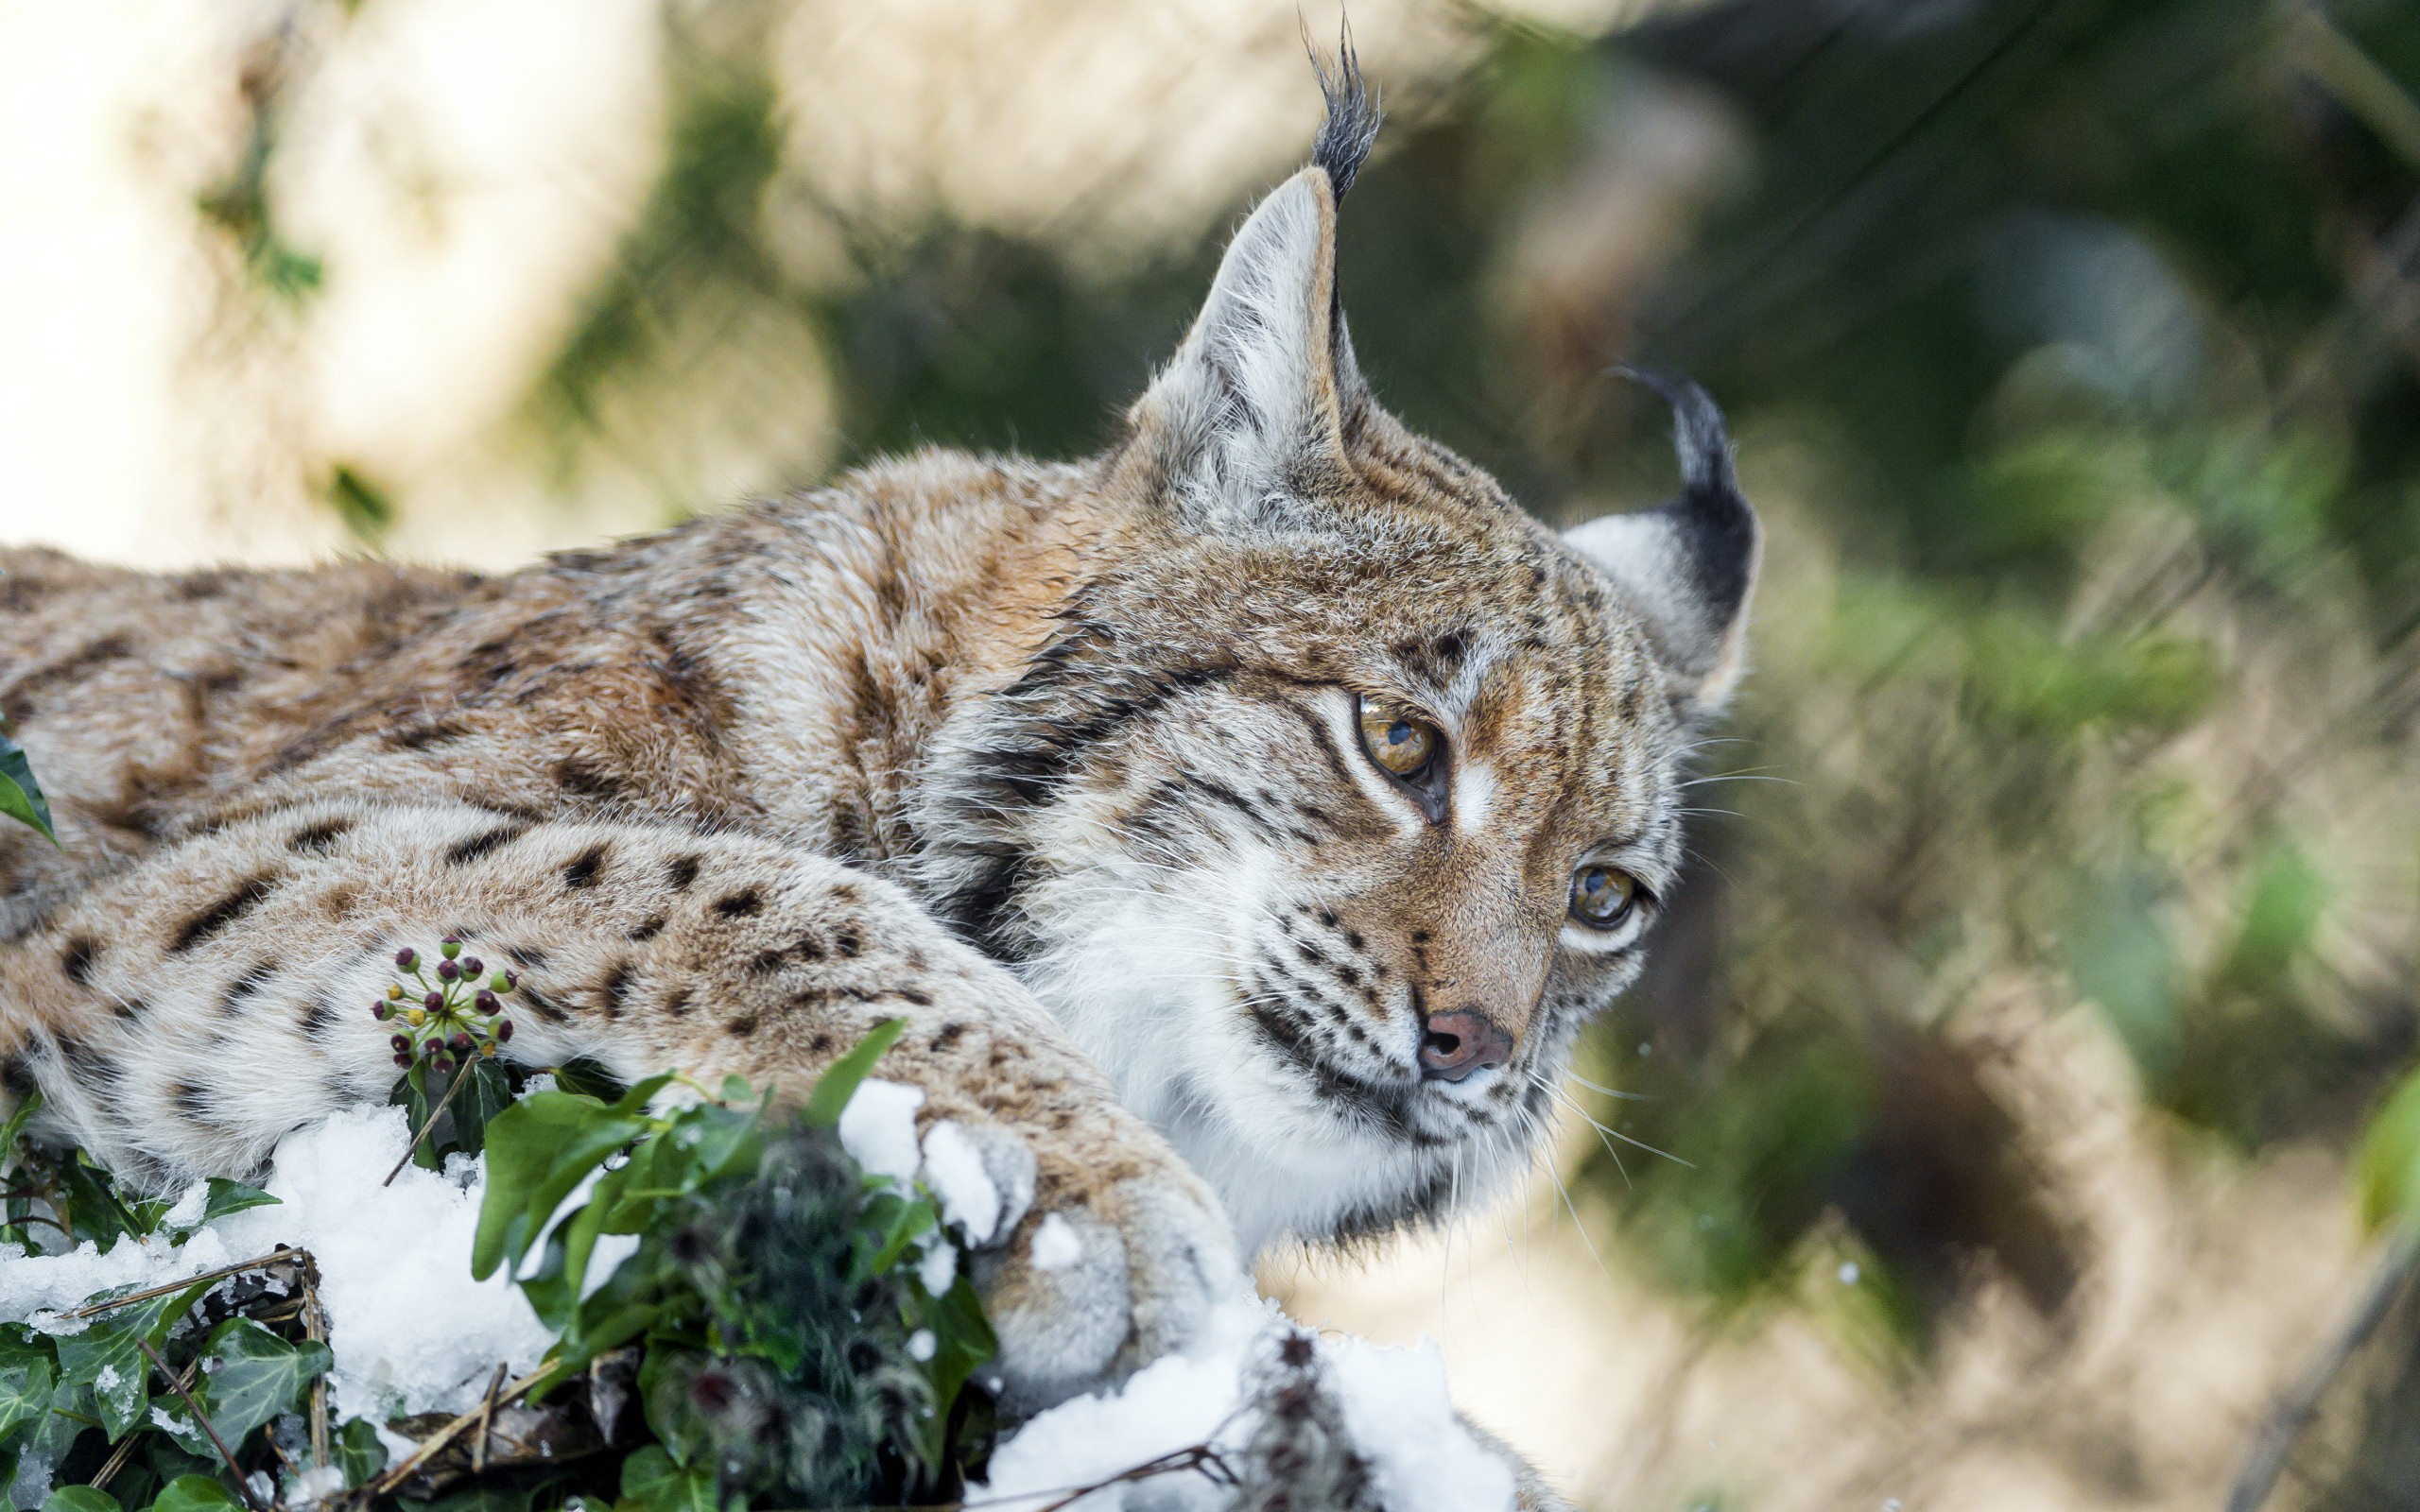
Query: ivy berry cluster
x=451 y=1022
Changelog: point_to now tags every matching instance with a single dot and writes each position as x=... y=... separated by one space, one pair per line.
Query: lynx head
x=1344 y=791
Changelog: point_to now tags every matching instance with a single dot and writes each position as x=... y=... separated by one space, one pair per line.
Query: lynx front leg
x=186 y=1014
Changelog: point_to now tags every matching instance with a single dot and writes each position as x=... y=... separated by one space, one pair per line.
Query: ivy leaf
x=107 y=1357
x=258 y=1376
x=538 y=1150
x=358 y=1452
x=80 y=1499
x=232 y=1196
x=652 y=1483
x=88 y=1203
x=195 y=1493
x=26 y=1377
x=475 y=1107
x=20 y=795
x=841 y=1080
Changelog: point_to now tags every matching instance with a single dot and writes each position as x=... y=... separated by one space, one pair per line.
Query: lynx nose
x=1461 y=1043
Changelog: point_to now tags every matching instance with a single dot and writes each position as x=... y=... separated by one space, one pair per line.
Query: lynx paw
x=1108 y=1279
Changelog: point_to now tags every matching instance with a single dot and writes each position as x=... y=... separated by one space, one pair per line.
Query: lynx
x=1245 y=821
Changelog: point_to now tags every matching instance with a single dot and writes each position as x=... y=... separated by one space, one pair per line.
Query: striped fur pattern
x=1060 y=763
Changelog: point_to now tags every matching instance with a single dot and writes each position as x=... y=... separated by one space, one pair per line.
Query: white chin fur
x=1149 y=995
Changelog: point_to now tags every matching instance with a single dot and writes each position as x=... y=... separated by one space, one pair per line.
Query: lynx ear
x=1252 y=399
x=1686 y=566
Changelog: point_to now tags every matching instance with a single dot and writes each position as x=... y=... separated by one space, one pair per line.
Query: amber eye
x=1399 y=741
x=1603 y=897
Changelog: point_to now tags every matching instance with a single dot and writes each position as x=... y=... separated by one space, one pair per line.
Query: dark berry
x=471 y=966
x=484 y=1001
x=378 y=1011
x=459 y=1044
x=403 y=1042
x=447 y=970
x=407 y=958
x=404 y=1061
x=503 y=1030
x=433 y=1001
x=444 y=1065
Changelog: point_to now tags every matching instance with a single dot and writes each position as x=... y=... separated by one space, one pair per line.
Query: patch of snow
x=391 y=1259
x=939 y=1268
x=1055 y=1245
x=1403 y=1421
x=953 y=1170
x=1394 y=1403
x=32 y=1485
x=878 y=1128
x=921 y=1345
x=189 y=1208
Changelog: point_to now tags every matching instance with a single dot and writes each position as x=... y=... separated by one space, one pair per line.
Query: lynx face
x=1345 y=791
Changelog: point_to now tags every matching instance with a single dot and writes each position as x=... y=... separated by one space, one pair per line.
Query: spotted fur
x=1058 y=761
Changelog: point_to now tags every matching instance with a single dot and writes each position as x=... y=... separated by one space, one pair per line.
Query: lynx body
x=1245 y=821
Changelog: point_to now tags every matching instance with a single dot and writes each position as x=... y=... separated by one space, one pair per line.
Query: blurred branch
x=2293 y=1413
x=2338 y=64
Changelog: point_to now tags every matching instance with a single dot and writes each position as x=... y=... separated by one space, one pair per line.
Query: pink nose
x=1461 y=1043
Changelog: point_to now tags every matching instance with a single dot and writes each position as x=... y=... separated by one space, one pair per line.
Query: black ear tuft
x=1353 y=113
x=1711 y=515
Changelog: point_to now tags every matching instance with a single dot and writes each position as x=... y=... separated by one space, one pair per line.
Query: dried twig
x=487 y=1422
x=243 y=1487
x=2295 y=1410
x=453 y=1084
x=125 y=1450
x=386 y=1484
x=315 y=1327
x=150 y=1292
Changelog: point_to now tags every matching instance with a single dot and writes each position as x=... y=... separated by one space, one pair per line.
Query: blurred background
x=2054 y=934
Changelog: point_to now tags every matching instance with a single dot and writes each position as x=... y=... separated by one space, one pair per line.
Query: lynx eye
x=1399 y=741
x=1603 y=897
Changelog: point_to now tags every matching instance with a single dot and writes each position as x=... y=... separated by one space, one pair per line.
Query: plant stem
x=150 y=1292
x=243 y=1487
x=384 y=1485
x=453 y=1084
x=125 y=1450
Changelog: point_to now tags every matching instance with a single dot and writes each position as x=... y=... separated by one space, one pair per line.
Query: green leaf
x=538 y=1150
x=2389 y=1163
x=962 y=1342
x=20 y=796
x=358 y=1450
x=258 y=1376
x=80 y=1499
x=195 y=1493
x=652 y=1483
x=476 y=1106
x=15 y=1126
x=88 y=1203
x=232 y=1196
x=586 y=1078
x=839 y=1082
x=107 y=1357
x=27 y=1376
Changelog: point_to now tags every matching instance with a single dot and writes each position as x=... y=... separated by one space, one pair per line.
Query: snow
x=1402 y=1420
x=1394 y=1403
x=390 y=1258
x=393 y=1257
x=878 y=1128
x=938 y=1269
x=921 y=1345
x=1055 y=1245
x=953 y=1170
